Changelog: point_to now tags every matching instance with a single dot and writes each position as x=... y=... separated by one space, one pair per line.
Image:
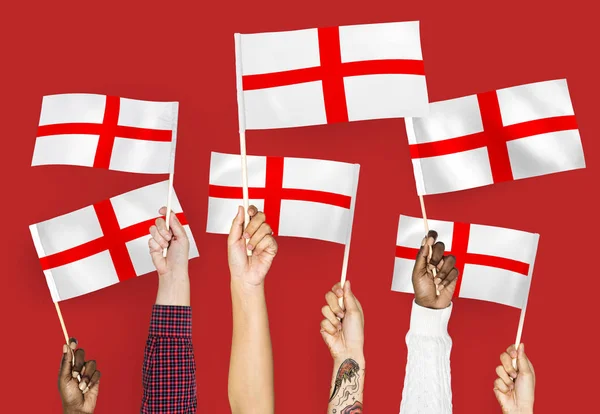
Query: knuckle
x=324 y=309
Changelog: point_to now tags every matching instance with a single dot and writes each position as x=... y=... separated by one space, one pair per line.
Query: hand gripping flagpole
x=174 y=118
x=524 y=307
x=424 y=213
x=64 y=329
x=349 y=235
x=242 y=127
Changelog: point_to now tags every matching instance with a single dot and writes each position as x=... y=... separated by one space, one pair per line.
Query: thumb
x=66 y=365
x=237 y=227
x=523 y=363
x=350 y=301
x=424 y=252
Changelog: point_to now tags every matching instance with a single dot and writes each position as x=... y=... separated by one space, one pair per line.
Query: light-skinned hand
x=515 y=388
x=343 y=329
x=173 y=280
x=250 y=270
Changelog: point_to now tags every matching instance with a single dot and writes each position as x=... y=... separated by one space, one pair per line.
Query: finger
x=512 y=351
x=94 y=382
x=337 y=289
x=421 y=262
x=504 y=377
x=330 y=316
x=447 y=264
x=507 y=364
x=237 y=227
x=350 y=301
x=87 y=372
x=255 y=222
x=263 y=230
x=155 y=233
x=450 y=280
x=328 y=327
x=156 y=253
x=438 y=253
x=501 y=386
x=523 y=363
x=268 y=244
x=73 y=343
x=161 y=225
x=174 y=224
x=79 y=361
x=66 y=364
x=332 y=301
x=252 y=211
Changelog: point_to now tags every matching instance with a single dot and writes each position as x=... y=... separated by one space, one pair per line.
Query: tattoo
x=347 y=371
x=356 y=408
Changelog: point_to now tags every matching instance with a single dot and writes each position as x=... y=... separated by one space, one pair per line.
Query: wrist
x=173 y=289
x=247 y=288
x=358 y=357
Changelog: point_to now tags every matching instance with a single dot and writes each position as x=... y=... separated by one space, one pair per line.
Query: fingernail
x=250 y=247
x=75 y=374
x=437 y=280
x=86 y=390
x=64 y=348
x=82 y=385
x=246 y=236
x=511 y=386
x=440 y=287
x=513 y=375
x=339 y=292
x=340 y=315
x=83 y=371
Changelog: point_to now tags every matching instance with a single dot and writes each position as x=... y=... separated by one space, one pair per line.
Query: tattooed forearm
x=356 y=408
x=347 y=389
x=346 y=372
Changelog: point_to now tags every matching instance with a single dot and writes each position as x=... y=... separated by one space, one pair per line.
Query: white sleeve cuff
x=430 y=322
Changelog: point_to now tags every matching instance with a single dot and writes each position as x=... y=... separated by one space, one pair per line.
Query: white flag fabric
x=300 y=197
x=508 y=134
x=333 y=74
x=102 y=244
x=494 y=264
x=107 y=132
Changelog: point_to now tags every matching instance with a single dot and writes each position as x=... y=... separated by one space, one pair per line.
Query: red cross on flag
x=301 y=197
x=508 y=134
x=102 y=244
x=495 y=264
x=106 y=132
x=333 y=74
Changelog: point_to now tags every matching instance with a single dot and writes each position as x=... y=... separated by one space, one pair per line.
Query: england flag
x=333 y=74
x=509 y=134
x=300 y=197
x=494 y=264
x=107 y=132
x=102 y=244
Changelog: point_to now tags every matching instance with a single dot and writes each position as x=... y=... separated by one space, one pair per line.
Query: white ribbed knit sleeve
x=427 y=382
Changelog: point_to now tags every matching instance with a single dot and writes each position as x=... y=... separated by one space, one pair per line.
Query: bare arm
x=251 y=387
x=343 y=332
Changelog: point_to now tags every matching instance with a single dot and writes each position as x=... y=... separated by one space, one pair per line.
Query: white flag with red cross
x=334 y=74
x=509 y=134
x=107 y=132
x=102 y=244
x=495 y=264
x=300 y=197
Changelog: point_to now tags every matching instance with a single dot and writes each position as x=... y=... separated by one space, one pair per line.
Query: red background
x=171 y=51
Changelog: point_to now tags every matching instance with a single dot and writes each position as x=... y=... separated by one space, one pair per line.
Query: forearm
x=347 y=385
x=173 y=290
x=251 y=364
x=428 y=367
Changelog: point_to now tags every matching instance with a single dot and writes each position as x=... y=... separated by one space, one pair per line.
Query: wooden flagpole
x=242 y=127
x=64 y=329
x=524 y=308
x=175 y=118
x=424 y=213
x=349 y=236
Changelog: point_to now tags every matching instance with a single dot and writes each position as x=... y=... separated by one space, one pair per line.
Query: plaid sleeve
x=169 y=371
